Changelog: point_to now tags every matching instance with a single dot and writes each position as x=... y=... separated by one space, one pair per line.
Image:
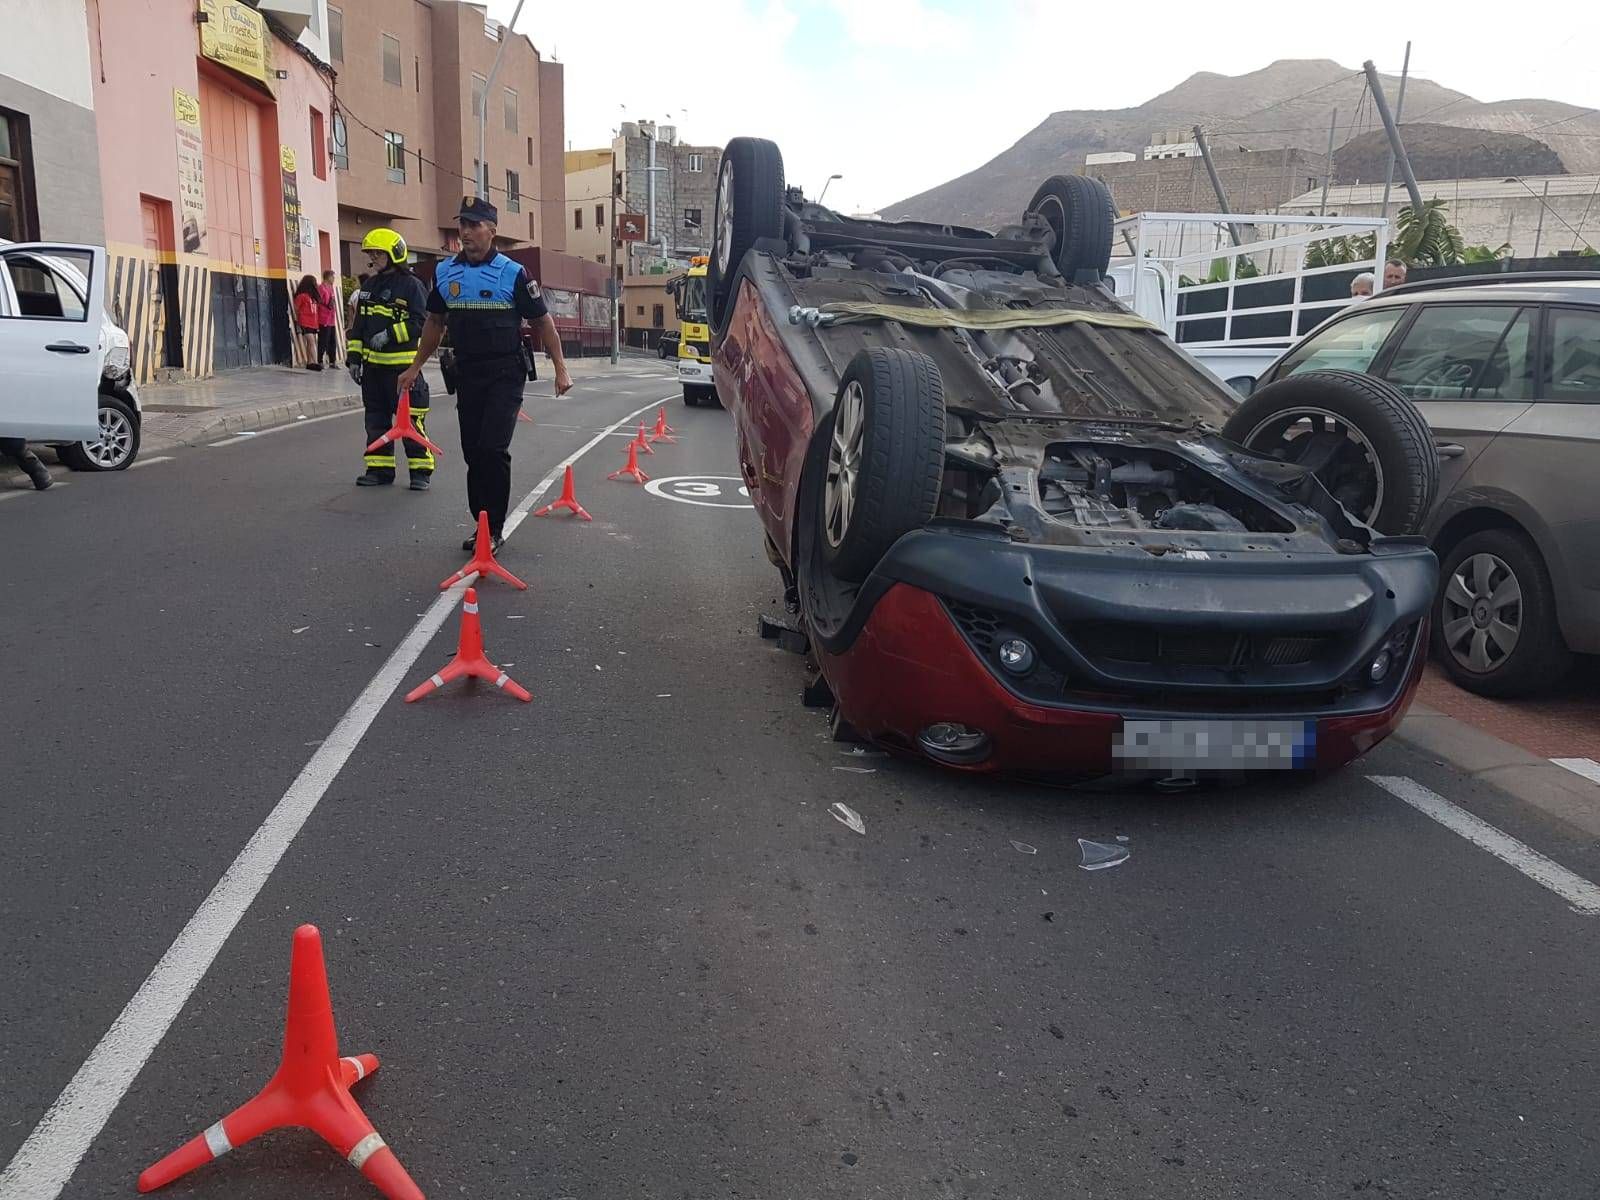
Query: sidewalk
x=192 y=411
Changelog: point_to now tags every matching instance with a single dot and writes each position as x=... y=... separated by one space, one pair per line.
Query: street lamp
x=831 y=178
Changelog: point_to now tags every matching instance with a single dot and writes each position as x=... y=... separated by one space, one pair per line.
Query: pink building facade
x=219 y=190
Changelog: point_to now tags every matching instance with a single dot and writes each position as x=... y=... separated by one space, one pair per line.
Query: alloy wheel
x=844 y=463
x=725 y=219
x=1481 y=613
x=111 y=449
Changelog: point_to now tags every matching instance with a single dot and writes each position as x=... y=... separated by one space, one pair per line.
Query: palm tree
x=1427 y=239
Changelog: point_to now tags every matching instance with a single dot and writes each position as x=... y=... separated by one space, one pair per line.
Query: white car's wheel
x=115 y=448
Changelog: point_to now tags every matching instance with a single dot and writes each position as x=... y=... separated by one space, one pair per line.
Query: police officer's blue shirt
x=485 y=304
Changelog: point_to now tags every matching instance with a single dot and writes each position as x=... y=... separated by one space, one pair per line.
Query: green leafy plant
x=1427 y=239
x=1337 y=251
x=1480 y=254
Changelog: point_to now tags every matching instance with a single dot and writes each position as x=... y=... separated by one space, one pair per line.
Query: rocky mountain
x=1285 y=104
x=1446 y=152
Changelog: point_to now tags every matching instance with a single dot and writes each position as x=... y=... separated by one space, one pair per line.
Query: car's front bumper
x=693 y=372
x=1231 y=653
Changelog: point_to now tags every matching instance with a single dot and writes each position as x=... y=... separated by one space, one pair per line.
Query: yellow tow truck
x=694 y=334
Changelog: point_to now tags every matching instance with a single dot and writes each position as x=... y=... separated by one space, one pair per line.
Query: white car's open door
x=50 y=341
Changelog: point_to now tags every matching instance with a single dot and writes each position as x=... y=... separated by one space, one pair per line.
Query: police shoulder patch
x=455 y=287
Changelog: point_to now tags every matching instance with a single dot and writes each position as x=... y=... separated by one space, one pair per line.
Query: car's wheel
x=691 y=396
x=1494 y=620
x=885 y=457
x=1363 y=439
x=748 y=207
x=1081 y=215
x=115 y=448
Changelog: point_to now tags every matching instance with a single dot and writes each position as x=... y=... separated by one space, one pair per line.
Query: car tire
x=691 y=398
x=748 y=206
x=1489 y=562
x=117 y=446
x=1382 y=429
x=1082 y=216
x=885 y=462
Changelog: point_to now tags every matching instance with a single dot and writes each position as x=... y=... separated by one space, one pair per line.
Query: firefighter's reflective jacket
x=390 y=313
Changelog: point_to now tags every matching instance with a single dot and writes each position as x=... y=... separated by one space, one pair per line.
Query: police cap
x=474 y=208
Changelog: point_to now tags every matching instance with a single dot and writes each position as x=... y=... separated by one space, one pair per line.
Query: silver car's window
x=1466 y=352
x=1574 y=355
x=42 y=291
x=1350 y=345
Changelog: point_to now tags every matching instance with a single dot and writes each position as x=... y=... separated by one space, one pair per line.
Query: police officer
x=383 y=338
x=481 y=296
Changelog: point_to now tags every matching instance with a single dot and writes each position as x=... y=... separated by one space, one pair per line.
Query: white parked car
x=65 y=366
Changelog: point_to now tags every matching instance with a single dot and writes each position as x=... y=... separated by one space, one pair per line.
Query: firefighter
x=482 y=296
x=390 y=311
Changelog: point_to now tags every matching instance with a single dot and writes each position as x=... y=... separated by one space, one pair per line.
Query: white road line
x=251 y=435
x=1573 y=888
x=1587 y=767
x=149 y=462
x=28 y=491
x=52 y=1152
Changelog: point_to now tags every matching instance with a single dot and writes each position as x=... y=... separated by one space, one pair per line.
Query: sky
x=899 y=95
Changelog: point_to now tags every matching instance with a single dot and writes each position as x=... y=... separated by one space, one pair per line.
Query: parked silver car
x=1507 y=375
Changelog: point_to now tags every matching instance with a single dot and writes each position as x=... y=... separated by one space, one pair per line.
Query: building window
x=577 y=218
x=479 y=84
x=391 y=60
x=395 y=155
x=416 y=74
x=319 y=145
x=599 y=216
x=341 y=144
x=335 y=34
x=511 y=111
x=639 y=310
x=530 y=152
x=513 y=191
x=17 y=223
x=656 y=315
x=533 y=227
x=691 y=219
x=696 y=162
x=599 y=258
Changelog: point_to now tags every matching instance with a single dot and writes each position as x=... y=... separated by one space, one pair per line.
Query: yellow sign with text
x=235 y=35
x=286 y=159
x=185 y=107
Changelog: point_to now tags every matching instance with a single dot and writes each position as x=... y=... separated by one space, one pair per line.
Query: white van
x=65 y=366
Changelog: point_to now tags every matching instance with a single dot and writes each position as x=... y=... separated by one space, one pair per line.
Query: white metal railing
x=1158 y=266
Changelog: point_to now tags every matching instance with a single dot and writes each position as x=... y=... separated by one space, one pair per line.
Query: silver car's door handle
x=67 y=348
x=1449 y=449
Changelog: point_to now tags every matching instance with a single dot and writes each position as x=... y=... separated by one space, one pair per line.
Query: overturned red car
x=1010 y=521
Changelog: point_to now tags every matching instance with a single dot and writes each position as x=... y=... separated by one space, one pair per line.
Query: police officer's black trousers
x=487 y=400
x=380 y=396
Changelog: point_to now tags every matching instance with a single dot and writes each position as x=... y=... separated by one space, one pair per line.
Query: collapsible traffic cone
x=661 y=433
x=310 y=1089
x=568 y=501
x=469 y=659
x=631 y=471
x=483 y=560
x=644 y=446
x=522 y=416
x=661 y=421
x=404 y=427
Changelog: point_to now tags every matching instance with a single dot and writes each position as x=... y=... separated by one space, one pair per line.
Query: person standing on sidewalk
x=380 y=352
x=16 y=449
x=305 y=319
x=328 y=320
x=481 y=297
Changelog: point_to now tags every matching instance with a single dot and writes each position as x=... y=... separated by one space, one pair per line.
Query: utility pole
x=1399 y=107
x=483 y=109
x=611 y=275
x=1538 y=233
x=650 y=185
x=1216 y=183
x=1327 y=175
x=1393 y=131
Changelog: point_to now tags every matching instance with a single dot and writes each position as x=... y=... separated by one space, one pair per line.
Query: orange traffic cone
x=644 y=446
x=661 y=421
x=661 y=433
x=310 y=1089
x=631 y=471
x=568 y=501
x=483 y=563
x=469 y=659
x=522 y=416
x=404 y=427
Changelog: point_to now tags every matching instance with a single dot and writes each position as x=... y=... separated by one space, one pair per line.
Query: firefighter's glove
x=379 y=340
x=354 y=366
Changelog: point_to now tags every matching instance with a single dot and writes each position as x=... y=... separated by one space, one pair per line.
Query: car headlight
x=118 y=362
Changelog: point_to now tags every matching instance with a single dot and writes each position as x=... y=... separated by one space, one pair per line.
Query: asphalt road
x=612 y=943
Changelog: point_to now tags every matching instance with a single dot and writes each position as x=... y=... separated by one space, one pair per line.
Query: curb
x=1537 y=782
x=199 y=429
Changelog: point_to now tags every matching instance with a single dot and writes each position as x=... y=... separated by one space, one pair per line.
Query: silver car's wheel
x=844 y=463
x=1482 y=611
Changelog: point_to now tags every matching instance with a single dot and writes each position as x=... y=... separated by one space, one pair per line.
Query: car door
x=1470 y=369
x=50 y=341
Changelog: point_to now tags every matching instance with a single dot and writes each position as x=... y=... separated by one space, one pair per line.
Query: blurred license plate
x=1215 y=745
